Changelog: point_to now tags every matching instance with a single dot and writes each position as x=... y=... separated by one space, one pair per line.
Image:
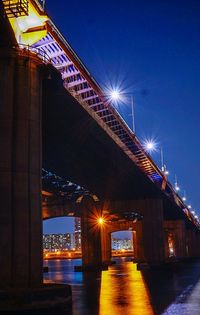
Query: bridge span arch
x=158 y=237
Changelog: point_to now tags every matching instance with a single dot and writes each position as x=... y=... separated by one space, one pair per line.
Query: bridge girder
x=35 y=29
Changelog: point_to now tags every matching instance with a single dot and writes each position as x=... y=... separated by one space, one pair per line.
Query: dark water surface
x=122 y=290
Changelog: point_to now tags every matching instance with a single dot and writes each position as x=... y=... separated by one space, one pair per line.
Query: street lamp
x=177 y=188
x=184 y=196
x=116 y=95
x=150 y=146
x=163 y=166
x=132 y=114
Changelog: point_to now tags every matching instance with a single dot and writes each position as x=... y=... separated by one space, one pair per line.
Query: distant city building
x=53 y=242
x=77 y=233
x=118 y=244
x=73 y=246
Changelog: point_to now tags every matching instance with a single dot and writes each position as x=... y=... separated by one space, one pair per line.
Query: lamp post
x=150 y=146
x=177 y=188
x=115 y=95
x=184 y=196
x=132 y=114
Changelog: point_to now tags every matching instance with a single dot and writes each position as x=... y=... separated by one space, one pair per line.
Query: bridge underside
x=76 y=147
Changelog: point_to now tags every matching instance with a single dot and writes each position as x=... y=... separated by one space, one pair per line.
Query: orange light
x=137 y=299
x=100 y=221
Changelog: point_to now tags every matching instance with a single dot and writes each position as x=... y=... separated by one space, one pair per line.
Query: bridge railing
x=26 y=50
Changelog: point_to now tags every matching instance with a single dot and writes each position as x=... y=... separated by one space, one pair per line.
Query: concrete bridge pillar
x=193 y=243
x=138 y=242
x=153 y=234
x=175 y=239
x=20 y=169
x=91 y=235
x=106 y=245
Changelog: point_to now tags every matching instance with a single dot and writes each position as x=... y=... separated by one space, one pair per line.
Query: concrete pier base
x=47 y=296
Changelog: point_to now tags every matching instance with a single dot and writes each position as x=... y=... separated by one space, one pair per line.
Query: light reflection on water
x=122 y=290
x=62 y=271
x=118 y=291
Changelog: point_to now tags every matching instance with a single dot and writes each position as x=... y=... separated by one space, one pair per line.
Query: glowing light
x=177 y=187
x=189 y=206
x=34 y=21
x=115 y=95
x=150 y=145
x=184 y=196
x=137 y=299
x=171 y=250
x=101 y=221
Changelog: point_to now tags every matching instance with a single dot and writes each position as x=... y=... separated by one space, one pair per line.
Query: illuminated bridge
x=55 y=108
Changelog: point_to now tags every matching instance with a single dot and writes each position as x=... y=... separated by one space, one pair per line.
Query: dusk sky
x=150 y=49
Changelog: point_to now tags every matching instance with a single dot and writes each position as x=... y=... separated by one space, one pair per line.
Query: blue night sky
x=150 y=49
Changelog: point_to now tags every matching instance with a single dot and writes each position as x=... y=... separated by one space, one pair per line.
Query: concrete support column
x=193 y=243
x=138 y=242
x=20 y=170
x=177 y=231
x=180 y=239
x=90 y=235
x=106 y=245
x=153 y=234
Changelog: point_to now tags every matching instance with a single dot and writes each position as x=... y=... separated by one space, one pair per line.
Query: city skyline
x=67 y=241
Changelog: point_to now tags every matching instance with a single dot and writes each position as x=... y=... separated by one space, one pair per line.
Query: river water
x=122 y=290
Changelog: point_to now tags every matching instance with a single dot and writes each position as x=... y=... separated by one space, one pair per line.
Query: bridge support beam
x=91 y=235
x=153 y=234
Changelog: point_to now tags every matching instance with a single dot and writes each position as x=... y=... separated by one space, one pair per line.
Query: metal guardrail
x=27 y=49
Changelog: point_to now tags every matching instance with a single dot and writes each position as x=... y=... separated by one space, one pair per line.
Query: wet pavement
x=122 y=290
